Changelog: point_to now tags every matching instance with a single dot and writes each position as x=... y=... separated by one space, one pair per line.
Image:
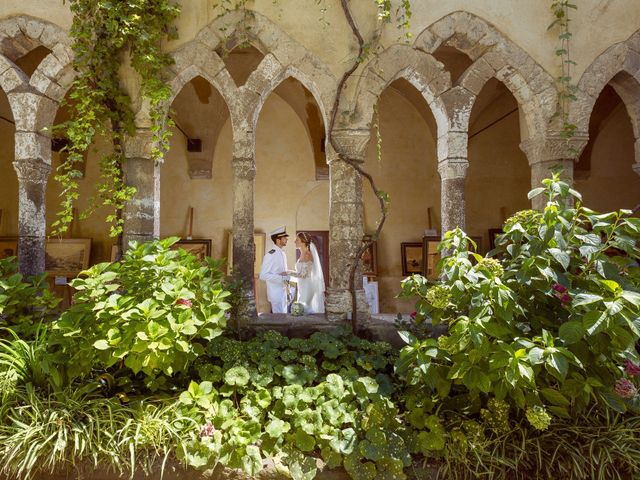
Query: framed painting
x=198 y=247
x=259 y=242
x=8 y=247
x=431 y=256
x=370 y=258
x=67 y=256
x=493 y=234
x=412 y=258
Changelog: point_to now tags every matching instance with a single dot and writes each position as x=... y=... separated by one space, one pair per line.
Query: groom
x=274 y=271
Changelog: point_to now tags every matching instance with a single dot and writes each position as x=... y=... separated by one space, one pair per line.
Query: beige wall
x=8 y=178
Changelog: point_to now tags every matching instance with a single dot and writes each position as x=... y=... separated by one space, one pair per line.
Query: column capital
x=451 y=168
x=554 y=147
x=352 y=143
x=138 y=145
x=458 y=102
x=244 y=168
x=32 y=171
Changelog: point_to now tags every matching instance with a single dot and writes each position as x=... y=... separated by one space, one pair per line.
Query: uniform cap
x=279 y=232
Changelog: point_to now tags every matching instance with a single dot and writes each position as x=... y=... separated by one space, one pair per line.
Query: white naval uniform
x=274 y=263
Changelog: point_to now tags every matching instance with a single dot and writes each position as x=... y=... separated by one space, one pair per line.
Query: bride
x=309 y=274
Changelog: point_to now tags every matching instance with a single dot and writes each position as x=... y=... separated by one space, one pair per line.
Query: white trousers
x=279 y=305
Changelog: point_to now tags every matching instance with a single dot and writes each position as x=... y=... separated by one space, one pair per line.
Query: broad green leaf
x=555 y=397
x=571 y=332
x=101 y=345
x=238 y=376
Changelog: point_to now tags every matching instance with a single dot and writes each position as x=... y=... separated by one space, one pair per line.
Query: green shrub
x=23 y=303
x=545 y=322
x=150 y=313
x=294 y=399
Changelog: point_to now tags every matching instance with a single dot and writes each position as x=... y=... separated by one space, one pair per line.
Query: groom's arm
x=266 y=272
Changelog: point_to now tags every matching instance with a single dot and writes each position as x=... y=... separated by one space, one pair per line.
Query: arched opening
x=196 y=178
x=407 y=171
x=499 y=176
x=604 y=172
x=30 y=61
x=288 y=189
x=454 y=61
x=241 y=61
x=94 y=226
x=8 y=178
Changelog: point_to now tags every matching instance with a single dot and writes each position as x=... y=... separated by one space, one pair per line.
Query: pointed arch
x=495 y=55
x=618 y=66
x=420 y=69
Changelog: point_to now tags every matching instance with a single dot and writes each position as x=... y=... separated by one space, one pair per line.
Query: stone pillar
x=452 y=204
x=453 y=134
x=550 y=154
x=142 y=212
x=346 y=225
x=244 y=174
x=32 y=188
x=32 y=112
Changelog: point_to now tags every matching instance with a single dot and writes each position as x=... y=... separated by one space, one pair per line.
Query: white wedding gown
x=311 y=283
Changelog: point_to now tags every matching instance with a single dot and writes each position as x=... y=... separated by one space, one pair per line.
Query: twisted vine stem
x=382 y=197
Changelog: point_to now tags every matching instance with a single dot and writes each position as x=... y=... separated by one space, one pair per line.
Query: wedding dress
x=311 y=283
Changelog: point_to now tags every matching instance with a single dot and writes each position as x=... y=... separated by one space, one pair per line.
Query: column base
x=338 y=306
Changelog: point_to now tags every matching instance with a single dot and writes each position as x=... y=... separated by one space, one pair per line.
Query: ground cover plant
x=536 y=375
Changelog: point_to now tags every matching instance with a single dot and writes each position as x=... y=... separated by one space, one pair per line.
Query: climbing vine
x=105 y=34
x=566 y=87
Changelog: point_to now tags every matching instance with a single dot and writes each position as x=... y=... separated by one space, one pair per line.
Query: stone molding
x=553 y=147
x=453 y=168
x=32 y=171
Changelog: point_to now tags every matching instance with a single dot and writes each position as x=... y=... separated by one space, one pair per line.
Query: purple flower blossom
x=207 y=430
x=631 y=368
x=625 y=389
x=565 y=298
x=559 y=288
x=185 y=302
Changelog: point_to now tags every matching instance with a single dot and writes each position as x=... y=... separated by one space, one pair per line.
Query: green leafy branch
x=566 y=88
x=104 y=33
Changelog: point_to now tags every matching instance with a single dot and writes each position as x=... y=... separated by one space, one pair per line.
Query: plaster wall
x=8 y=177
x=612 y=184
x=408 y=173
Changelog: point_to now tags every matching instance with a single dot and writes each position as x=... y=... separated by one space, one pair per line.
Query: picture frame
x=370 y=258
x=8 y=247
x=431 y=256
x=199 y=247
x=259 y=243
x=412 y=258
x=493 y=233
x=67 y=256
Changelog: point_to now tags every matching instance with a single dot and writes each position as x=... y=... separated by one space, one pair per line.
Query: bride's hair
x=306 y=238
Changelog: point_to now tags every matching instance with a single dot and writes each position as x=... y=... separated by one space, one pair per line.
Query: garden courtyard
x=461 y=180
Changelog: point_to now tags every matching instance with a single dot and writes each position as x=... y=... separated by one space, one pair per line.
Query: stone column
x=346 y=225
x=244 y=174
x=142 y=212
x=32 y=112
x=550 y=154
x=453 y=134
x=32 y=222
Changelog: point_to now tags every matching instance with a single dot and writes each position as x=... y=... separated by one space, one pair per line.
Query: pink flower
x=631 y=368
x=413 y=315
x=207 y=430
x=625 y=389
x=559 y=288
x=185 y=302
x=565 y=298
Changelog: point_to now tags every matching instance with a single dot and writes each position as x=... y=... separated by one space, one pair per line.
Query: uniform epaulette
x=272 y=250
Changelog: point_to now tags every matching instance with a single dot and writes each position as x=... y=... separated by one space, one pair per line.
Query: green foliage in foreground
x=545 y=323
x=150 y=313
x=537 y=376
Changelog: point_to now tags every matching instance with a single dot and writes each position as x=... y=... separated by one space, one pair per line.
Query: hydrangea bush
x=546 y=322
x=152 y=313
